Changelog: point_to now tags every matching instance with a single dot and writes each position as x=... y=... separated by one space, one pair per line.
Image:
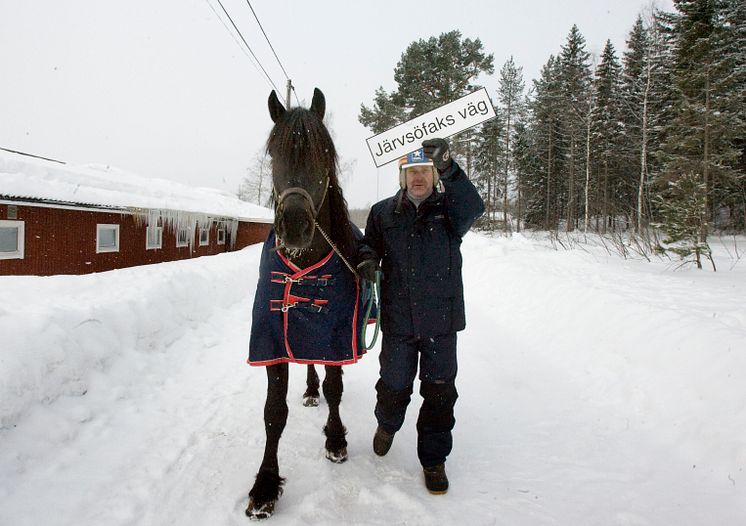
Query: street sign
x=449 y=119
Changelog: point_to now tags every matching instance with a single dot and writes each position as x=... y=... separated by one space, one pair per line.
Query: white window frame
x=159 y=237
x=184 y=243
x=221 y=236
x=20 y=226
x=99 y=228
x=206 y=242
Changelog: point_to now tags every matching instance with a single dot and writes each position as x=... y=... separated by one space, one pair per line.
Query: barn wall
x=62 y=241
x=250 y=233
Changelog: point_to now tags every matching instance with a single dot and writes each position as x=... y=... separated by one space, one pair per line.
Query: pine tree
x=510 y=95
x=729 y=101
x=661 y=96
x=385 y=113
x=545 y=161
x=430 y=74
x=682 y=205
x=575 y=79
x=636 y=88
x=700 y=140
x=439 y=70
x=489 y=151
x=614 y=187
x=526 y=164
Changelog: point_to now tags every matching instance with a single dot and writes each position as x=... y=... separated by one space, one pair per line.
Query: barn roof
x=43 y=180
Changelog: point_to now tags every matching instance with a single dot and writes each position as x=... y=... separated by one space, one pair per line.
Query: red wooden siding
x=250 y=233
x=63 y=241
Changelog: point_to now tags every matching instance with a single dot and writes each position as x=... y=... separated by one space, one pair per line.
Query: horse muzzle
x=295 y=221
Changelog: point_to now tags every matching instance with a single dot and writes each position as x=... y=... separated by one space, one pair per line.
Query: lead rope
x=373 y=289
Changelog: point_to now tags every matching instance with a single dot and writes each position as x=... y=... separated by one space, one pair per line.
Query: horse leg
x=268 y=485
x=311 y=396
x=336 y=445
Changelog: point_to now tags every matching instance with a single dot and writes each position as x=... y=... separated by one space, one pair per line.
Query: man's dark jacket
x=419 y=248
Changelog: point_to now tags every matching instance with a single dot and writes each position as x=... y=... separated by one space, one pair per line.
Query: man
x=416 y=237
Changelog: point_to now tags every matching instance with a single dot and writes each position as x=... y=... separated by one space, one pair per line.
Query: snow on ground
x=593 y=390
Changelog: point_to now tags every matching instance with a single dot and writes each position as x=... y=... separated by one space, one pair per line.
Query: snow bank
x=61 y=333
x=658 y=352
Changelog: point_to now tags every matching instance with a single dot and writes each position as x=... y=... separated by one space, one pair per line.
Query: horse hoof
x=337 y=456
x=258 y=513
x=311 y=401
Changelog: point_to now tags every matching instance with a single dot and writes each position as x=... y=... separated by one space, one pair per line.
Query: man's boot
x=382 y=442
x=436 y=480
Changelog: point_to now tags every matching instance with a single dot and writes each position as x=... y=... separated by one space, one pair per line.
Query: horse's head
x=303 y=168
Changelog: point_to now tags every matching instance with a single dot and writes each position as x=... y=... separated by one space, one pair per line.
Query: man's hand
x=367 y=269
x=439 y=152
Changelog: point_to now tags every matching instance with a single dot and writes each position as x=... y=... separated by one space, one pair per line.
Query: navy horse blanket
x=312 y=315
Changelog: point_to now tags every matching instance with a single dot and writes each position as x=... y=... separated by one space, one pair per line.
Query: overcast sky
x=160 y=88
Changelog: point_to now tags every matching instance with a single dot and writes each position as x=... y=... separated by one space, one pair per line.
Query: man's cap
x=414 y=158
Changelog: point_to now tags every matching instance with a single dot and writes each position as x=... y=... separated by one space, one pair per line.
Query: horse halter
x=305 y=195
x=315 y=212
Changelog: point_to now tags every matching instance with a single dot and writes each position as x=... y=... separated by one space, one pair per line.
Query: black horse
x=307 y=199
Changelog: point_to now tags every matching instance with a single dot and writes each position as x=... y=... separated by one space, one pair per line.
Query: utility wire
x=272 y=48
x=294 y=93
x=267 y=39
x=248 y=47
x=233 y=36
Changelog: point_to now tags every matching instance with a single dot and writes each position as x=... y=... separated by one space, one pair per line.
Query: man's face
x=420 y=180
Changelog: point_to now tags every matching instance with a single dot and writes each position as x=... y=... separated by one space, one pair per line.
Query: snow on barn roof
x=36 y=179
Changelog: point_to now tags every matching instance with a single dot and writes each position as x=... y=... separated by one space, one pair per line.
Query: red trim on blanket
x=299 y=271
x=354 y=319
x=302 y=362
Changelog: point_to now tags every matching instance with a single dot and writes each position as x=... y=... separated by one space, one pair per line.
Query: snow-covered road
x=592 y=391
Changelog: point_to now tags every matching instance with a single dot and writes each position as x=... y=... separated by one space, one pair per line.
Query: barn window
x=11 y=239
x=204 y=237
x=182 y=237
x=154 y=237
x=221 y=236
x=107 y=238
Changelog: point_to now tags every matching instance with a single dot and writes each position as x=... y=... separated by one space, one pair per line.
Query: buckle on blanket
x=308 y=306
x=288 y=279
x=289 y=306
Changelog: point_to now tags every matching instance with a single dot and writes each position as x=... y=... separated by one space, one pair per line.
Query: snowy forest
x=645 y=144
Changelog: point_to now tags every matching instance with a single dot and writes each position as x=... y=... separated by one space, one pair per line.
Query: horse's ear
x=318 y=104
x=276 y=109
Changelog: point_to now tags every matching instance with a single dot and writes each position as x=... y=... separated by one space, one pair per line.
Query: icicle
x=176 y=220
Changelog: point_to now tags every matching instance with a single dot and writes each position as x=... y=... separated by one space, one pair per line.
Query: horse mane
x=300 y=140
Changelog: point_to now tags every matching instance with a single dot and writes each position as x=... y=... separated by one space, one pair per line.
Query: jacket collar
x=401 y=200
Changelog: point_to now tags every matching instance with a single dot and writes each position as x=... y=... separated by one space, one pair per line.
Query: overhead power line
x=248 y=47
x=272 y=48
x=267 y=39
x=233 y=36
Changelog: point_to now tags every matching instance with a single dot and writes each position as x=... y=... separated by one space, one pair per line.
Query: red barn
x=61 y=219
